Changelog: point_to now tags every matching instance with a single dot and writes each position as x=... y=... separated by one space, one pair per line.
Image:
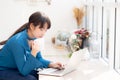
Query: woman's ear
x=32 y=26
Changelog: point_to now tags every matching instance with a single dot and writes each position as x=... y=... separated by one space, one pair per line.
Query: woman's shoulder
x=18 y=38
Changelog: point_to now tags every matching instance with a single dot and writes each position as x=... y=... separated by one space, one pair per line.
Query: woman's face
x=38 y=32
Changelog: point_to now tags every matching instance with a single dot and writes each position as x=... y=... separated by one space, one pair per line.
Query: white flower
x=73 y=36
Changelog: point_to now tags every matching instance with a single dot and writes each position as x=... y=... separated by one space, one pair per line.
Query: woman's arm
x=42 y=60
x=24 y=60
x=50 y=64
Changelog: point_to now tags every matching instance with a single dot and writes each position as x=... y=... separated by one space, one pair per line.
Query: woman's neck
x=30 y=35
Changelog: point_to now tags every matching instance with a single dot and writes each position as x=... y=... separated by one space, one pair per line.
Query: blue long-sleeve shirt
x=16 y=54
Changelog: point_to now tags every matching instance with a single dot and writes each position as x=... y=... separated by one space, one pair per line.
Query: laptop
x=72 y=65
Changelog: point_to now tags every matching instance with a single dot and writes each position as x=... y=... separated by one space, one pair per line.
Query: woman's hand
x=35 y=48
x=56 y=65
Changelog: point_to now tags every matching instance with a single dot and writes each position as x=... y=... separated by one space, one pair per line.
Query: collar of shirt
x=29 y=38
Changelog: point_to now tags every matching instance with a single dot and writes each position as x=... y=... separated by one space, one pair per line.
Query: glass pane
x=96 y=32
x=117 y=47
x=106 y=24
x=89 y=17
x=117 y=0
x=107 y=42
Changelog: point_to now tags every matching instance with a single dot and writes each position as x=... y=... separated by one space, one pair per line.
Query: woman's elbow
x=24 y=72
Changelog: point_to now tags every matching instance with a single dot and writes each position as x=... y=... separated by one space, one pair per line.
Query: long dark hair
x=37 y=19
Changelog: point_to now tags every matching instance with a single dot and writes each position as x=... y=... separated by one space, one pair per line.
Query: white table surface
x=92 y=69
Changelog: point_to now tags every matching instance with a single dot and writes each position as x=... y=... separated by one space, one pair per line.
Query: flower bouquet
x=76 y=40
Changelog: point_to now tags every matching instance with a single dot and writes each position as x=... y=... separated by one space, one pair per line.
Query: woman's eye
x=41 y=29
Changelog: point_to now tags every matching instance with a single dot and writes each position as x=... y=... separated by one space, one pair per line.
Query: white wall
x=15 y=13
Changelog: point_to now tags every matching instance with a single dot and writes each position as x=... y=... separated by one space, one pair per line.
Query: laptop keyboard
x=48 y=70
x=58 y=71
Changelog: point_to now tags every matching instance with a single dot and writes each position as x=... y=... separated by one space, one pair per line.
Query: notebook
x=72 y=65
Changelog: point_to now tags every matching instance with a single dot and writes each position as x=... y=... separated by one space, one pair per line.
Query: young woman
x=20 y=56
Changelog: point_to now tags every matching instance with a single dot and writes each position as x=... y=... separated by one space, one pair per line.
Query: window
x=117 y=41
x=106 y=26
x=104 y=19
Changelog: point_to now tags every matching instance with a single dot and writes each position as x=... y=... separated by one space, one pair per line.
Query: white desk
x=88 y=70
